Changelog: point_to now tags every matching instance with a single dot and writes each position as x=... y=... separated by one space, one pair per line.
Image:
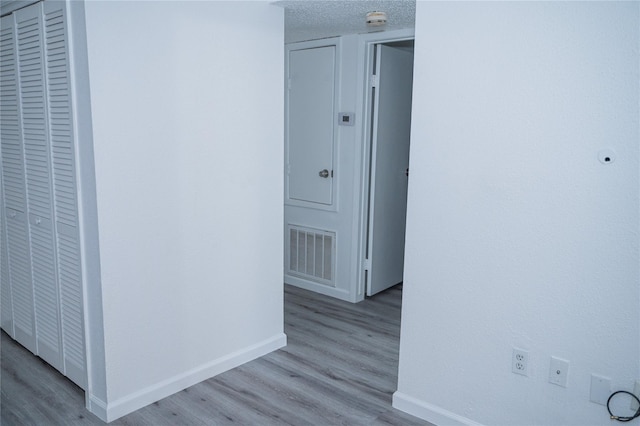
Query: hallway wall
x=187 y=113
x=517 y=235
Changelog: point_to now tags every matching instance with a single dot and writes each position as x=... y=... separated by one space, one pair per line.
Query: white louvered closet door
x=64 y=190
x=46 y=125
x=17 y=280
x=35 y=134
x=8 y=120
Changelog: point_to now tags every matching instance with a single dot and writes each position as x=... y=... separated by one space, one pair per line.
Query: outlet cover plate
x=558 y=371
x=520 y=362
x=600 y=389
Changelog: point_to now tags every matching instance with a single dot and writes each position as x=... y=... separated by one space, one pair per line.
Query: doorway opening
x=388 y=131
x=348 y=244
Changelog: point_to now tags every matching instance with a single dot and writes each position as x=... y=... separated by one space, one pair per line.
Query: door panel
x=6 y=308
x=390 y=158
x=65 y=203
x=35 y=129
x=10 y=131
x=45 y=290
x=20 y=276
x=17 y=279
x=11 y=172
x=311 y=125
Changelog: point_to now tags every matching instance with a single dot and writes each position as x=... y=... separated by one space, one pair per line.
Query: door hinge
x=288 y=169
x=367 y=264
x=331 y=173
x=374 y=80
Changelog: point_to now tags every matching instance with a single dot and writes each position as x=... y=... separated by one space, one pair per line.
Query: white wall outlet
x=558 y=371
x=520 y=362
x=636 y=392
x=600 y=389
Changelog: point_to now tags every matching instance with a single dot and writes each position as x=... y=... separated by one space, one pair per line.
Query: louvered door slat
x=64 y=191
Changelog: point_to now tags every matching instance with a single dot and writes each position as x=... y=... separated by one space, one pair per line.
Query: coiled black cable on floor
x=623 y=418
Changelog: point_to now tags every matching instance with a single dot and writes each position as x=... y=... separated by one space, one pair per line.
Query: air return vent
x=312 y=254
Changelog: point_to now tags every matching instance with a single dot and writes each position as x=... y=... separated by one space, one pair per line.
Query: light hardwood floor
x=339 y=368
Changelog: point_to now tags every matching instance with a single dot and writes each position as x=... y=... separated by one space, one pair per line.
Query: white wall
x=187 y=113
x=517 y=235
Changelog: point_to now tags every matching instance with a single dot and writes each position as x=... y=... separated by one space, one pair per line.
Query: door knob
x=324 y=173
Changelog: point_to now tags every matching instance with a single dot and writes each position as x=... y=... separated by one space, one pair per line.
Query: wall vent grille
x=312 y=254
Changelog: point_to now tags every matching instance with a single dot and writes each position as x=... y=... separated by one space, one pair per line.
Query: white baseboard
x=338 y=293
x=97 y=407
x=429 y=412
x=130 y=403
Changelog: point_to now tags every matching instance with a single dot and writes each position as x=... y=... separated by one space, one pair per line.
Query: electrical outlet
x=636 y=392
x=558 y=371
x=520 y=362
x=600 y=389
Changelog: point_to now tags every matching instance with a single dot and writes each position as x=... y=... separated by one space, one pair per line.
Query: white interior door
x=15 y=199
x=36 y=137
x=310 y=131
x=390 y=162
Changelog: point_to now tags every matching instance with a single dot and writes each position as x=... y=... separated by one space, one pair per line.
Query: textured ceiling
x=310 y=20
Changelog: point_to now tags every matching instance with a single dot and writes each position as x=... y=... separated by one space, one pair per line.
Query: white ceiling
x=310 y=19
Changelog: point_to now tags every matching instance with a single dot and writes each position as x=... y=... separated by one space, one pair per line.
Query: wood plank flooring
x=339 y=368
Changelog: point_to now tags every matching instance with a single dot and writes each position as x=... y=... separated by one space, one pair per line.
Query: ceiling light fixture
x=376 y=19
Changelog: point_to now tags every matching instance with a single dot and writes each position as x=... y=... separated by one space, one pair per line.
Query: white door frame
x=365 y=82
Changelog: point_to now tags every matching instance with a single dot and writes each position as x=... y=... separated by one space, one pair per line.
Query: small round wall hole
x=606 y=155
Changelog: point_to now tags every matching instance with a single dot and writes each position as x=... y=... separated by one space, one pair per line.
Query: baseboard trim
x=151 y=394
x=429 y=412
x=338 y=293
x=97 y=406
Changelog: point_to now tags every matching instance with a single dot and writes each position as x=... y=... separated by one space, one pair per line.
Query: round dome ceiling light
x=376 y=19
